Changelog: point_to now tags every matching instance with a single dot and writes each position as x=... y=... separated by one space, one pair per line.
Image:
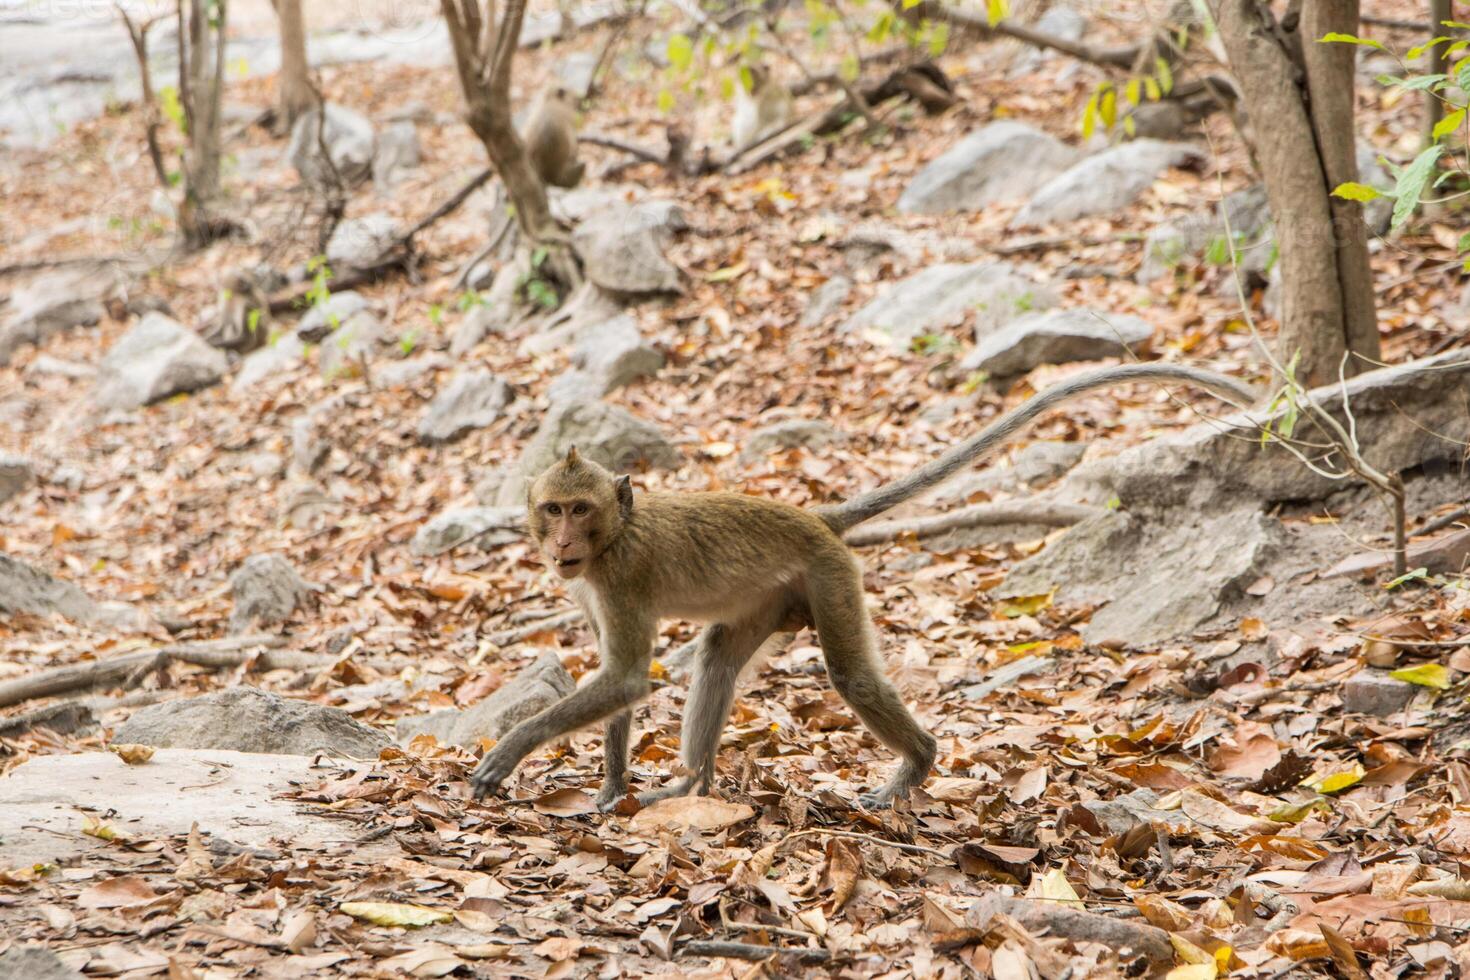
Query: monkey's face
x=574 y=510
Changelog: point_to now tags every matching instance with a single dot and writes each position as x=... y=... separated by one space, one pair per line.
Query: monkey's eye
x=554 y=510
x=579 y=509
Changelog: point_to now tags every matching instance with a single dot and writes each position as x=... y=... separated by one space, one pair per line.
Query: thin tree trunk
x=296 y=97
x=1312 y=320
x=201 y=75
x=1439 y=64
x=1330 y=78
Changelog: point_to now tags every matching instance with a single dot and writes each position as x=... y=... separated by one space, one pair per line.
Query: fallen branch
x=622 y=146
x=556 y=622
x=751 y=951
x=1124 y=57
x=216 y=654
x=63 y=718
x=990 y=514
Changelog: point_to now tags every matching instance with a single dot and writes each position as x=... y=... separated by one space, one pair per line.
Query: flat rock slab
x=1057 y=337
x=231 y=794
x=247 y=719
x=998 y=163
x=1104 y=183
x=534 y=689
x=944 y=294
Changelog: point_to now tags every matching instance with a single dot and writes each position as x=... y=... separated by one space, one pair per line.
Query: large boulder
x=1104 y=183
x=51 y=305
x=943 y=294
x=613 y=354
x=360 y=243
x=487 y=527
x=349 y=140
x=16 y=473
x=397 y=154
x=156 y=358
x=606 y=434
x=1056 y=337
x=247 y=719
x=266 y=590
x=537 y=687
x=26 y=589
x=1196 y=565
x=999 y=163
x=622 y=247
x=472 y=400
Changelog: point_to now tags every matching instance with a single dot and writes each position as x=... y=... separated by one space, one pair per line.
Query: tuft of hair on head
x=572 y=457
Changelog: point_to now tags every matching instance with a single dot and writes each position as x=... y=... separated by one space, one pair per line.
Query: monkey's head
x=575 y=509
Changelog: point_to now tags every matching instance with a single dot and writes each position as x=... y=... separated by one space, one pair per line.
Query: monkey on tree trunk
x=551 y=139
x=750 y=568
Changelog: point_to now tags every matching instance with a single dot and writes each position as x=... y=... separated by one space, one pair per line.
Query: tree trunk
x=1327 y=299
x=1439 y=64
x=201 y=78
x=1330 y=82
x=296 y=97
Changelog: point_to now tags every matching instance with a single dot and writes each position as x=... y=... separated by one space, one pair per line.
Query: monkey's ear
x=572 y=458
x=625 y=496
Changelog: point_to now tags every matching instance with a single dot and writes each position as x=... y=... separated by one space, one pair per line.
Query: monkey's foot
x=896 y=788
x=492 y=771
x=681 y=787
x=612 y=794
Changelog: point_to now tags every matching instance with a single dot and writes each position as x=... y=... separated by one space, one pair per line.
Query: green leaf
x=1411 y=576
x=1425 y=675
x=1107 y=108
x=1419 y=49
x=910 y=4
x=665 y=101
x=850 y=68
x=1165 y=75
x=1153 y=89
x=1463 y=243
x=1416 y=84
x=997 y=11
x=938 y=39
x=1334 y=37
x=1462 y=74
x=1411 y=183
x=1353 y=191
x=1448 y=124
x=680 y=51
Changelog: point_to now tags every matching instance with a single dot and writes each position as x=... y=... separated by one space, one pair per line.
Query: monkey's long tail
x=850 y=513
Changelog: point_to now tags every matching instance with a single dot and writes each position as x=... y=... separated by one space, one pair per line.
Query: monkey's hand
x=497 y=764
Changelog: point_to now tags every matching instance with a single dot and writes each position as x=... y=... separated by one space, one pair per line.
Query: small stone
x=35 y=963
x=247 y=719
x=1370 y=692
x=613 y=354
x=330 y=314
x=360 y=243
x=537 y=687
x=1104 y=183
x=622 y=247
x=472 y=400
x=1001 y=162
x=156 y=358
x=826 y=300
x=50 y=305
x=944 y=294
x=25 y=588
x=16 y=473
x=270 y=362
x=397 y=156
x=477 y=324
x=345 y=349
x=487 y=527
x=267 y=591
x=1057 y=337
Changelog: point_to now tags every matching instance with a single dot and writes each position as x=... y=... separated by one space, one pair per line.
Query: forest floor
x=1249 y=871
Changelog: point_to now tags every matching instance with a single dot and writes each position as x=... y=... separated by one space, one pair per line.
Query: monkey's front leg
x=614 y=688
x=615 y=760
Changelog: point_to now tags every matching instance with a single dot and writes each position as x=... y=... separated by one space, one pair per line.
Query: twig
x=449 y=206
x=632 y=149
x=1440 y=523
x=1112 y=57
x=750 y=951
x=556 y=622
x=854 y=835
x=230 y=652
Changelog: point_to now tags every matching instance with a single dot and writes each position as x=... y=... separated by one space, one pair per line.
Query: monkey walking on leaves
x=749 y=568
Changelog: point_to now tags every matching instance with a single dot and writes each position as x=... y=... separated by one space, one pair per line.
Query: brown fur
x=551 y=140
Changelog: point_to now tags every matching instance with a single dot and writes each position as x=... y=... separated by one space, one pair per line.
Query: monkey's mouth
x=567 y=562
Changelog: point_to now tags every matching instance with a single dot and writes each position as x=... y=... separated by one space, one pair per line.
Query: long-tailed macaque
x=763 y=111
x=551 y=139
x=749 y=567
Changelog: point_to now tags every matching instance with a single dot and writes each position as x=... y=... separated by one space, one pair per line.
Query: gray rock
x=488 y=527
x=270 y=362
x=622 y=247
x=573 y=386
x=16 y=473
x=309 y=445
x=574 y=73
x=359 y=243
x=1056 y=337
x=35 y=963
x=1370 y=692
x=807 y=433
x=540 y=685
x=50 y=305
x=266 y=591
x=26 y=589
x=826 y=300
x=1203 y=235
x=247 y=719
x=1057 y=21
x=603 y=433
x=398 y=154
x=999 y=163
x=1104 y=183
x=1407 y=415
x=941 y=295
x=327 y=316
x=348 y=136
x=477 y=324
x=47 y=365
x=472 y=400
x=1194 y=565
x=1377 y=213
x=613 y=354
x=156 y=358
x=1136 y=809
x=355 y=341
x=408 y=371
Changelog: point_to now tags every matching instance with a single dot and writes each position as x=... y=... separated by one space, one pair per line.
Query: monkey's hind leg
x=615 y=760
x=724 y=650
x=846 y=635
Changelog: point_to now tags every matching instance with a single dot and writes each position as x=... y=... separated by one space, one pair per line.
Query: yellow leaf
x=395 y=914
x=719 y=450
x=657 y=671
x=93 y=827
x=1054 y=886
x=133 y=755
x=1026 y=605
x=1336 y=782
x=1297 y=812
x=1425 y=675
x=1193 y=971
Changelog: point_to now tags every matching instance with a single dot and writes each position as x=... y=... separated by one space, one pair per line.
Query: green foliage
x=534 y=288
x=1102 y=107
x=408 y=341
x=436 y=314
x=252 y=320
x=321 y=274
x=1334 y=37
x=469 y=300
x=934 y=343
x=172 y=108
x=1412 y=181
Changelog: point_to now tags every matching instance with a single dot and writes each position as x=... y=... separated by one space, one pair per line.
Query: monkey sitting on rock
x=750 y=568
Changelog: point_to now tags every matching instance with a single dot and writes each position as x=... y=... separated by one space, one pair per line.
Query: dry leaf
x=395 y=914
x=132 y=754
x=690 y=812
